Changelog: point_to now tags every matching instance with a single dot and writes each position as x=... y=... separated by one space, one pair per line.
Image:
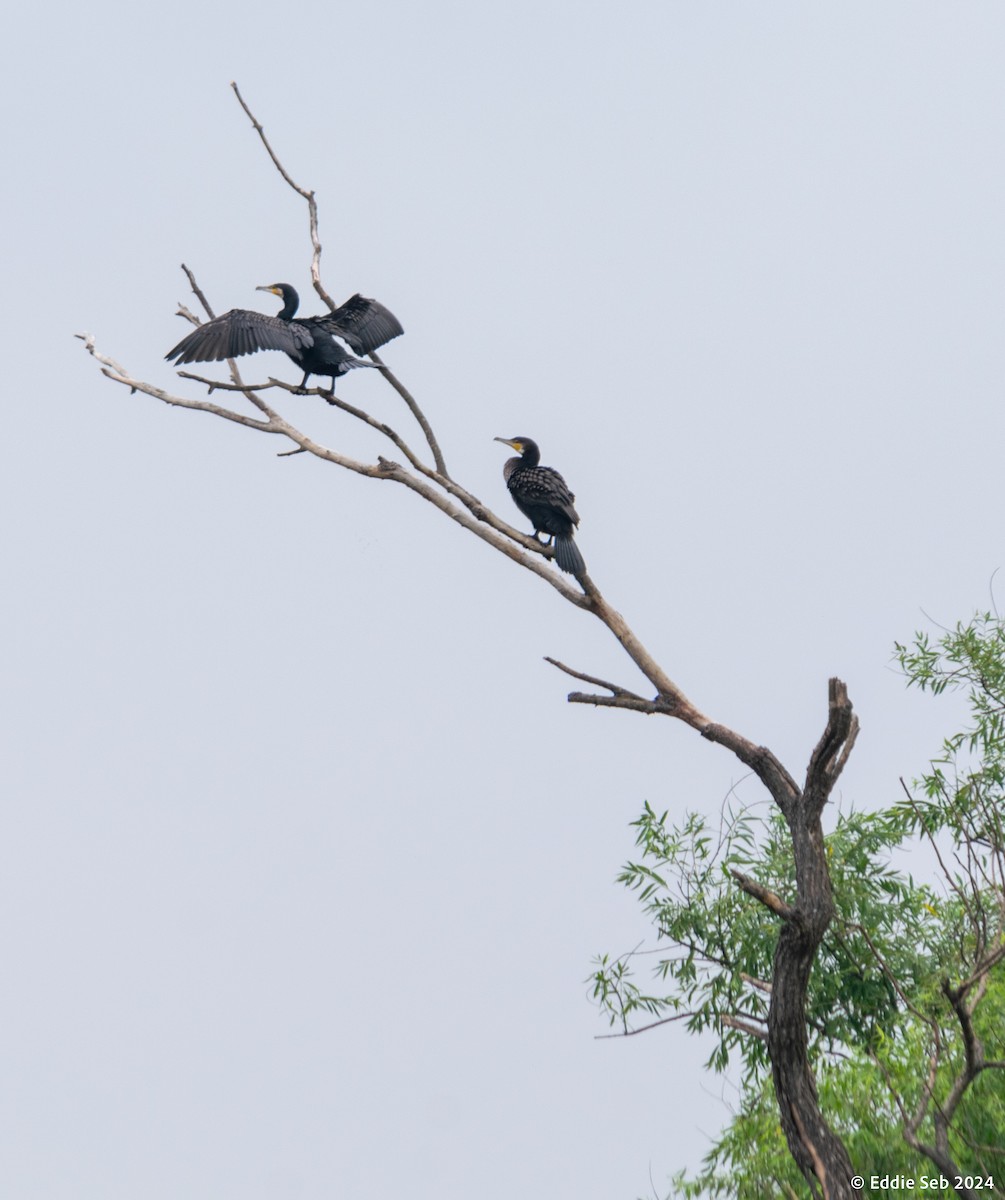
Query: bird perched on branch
x=310 y=341
x=543 y=496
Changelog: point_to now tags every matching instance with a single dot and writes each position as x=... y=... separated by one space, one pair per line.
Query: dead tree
x=803 y=918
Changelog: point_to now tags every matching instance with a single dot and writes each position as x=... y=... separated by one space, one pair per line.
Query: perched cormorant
x=543 y=496
x=310 y=341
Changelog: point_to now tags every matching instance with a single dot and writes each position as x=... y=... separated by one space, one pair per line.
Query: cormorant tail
x=567 y=556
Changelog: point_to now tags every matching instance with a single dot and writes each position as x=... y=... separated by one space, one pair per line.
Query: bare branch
x=199 y=292
x=744 y=1027
x=221 y=385
x=416 y=412
x=334 y=401
x=972 y=1045
x=363 y=416
x=611 y=687
x=188 y=314
x=110 y=363
x=626 y=1033
x=763 y=763
x=647 y=707
x=112 y=370
x=764 y=895
x=986 y=964
x=761 y=984
x=312 y=208
x=831 y=752
x=620 y=697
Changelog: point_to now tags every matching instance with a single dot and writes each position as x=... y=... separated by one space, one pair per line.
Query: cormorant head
x=288 y=295
x=524 y=446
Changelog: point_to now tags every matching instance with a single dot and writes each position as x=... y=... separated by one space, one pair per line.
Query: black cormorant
x=310 y=341
x=543 y=496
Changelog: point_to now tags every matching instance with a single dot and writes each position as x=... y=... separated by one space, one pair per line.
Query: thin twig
x=249 y=393
x=188 y=314
x=118 y=374
x=416 y=412
x=199 y=292
x=613 y=688
x=312 y=208
x=946 y=873
x=626 y=1033
x=220 y=385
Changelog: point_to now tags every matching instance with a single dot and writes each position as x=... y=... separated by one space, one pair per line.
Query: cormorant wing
x=351 y=364
x=364 y=324
x=238 y=332
x=544 y=485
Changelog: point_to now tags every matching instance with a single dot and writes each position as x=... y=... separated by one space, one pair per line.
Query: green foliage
x=962 y=792
x=750 y=1161
x=879 y=1020
x=723 y=941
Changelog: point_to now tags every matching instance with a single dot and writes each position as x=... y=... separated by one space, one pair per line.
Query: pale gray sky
x=304 y=856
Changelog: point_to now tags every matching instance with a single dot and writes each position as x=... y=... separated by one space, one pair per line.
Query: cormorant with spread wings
x=310 y=342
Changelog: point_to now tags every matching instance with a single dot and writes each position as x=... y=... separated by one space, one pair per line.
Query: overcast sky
x=304 y=855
